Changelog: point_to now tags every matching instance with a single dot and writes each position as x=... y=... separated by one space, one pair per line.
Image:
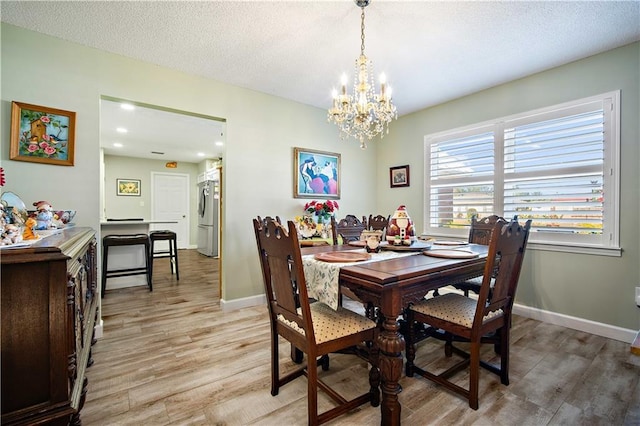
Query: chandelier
x=364 y=114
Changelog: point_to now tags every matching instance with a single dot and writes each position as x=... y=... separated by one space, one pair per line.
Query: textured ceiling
x=431 y=52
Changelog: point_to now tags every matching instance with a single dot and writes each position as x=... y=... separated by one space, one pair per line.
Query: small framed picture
x=128 y=187
x=41 y=134
x=399 y=176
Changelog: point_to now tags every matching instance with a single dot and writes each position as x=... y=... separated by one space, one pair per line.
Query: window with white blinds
x=461 y=179
x=557 y=166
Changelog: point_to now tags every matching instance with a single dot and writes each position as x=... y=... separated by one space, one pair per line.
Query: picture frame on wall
x=316 y=174
x=399 y=176
x=42 y=134
x=128 y=187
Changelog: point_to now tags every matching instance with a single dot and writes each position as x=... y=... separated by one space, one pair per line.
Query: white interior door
x=170 y=201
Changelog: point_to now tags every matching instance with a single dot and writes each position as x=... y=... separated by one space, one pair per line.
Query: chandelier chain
x=362 y=31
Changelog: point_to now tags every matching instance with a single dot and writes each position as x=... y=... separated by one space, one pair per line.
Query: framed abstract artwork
x=316 y=174
x=399 y=176
x=128 y=187
x=41 y=134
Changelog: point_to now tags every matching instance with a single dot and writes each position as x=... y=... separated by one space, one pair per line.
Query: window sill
x=576 y=249
x=555 y=247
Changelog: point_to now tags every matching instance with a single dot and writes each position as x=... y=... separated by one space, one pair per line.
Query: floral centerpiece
x=323 y=210
x=316 y=220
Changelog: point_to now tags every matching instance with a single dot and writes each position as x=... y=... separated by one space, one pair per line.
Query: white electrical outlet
x=638 y=296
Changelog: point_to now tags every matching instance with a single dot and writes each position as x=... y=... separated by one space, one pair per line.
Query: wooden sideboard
x=49 y=307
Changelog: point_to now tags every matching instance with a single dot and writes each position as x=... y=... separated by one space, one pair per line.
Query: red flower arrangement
x=322 y=209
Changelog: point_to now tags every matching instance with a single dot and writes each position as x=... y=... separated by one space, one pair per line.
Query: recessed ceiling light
x=219 y=143
x=128 y=107
x=117 y=145
x=200 y=154
x=121 y=130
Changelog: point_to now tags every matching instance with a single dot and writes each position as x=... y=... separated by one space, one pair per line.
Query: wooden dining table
x=391 y=285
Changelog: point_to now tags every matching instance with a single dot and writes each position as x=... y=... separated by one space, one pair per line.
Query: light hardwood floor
x=173 y=357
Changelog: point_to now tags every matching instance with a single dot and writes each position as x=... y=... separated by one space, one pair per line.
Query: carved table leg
x=391 y=344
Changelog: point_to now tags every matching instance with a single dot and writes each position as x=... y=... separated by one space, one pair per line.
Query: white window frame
x=609 y=244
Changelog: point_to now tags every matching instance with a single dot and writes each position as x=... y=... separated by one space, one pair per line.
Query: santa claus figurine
x=400 y=230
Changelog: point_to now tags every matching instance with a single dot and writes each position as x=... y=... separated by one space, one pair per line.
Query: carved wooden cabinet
x=49 y=307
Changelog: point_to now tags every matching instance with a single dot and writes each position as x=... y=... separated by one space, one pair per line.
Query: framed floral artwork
x=316 y=174
x=128 y=187
x=399 y=176
x=41 y=134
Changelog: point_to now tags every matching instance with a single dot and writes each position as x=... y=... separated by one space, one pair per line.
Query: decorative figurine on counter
x=56 y=223
x=44 y=215
x=28 y=233
x=3 y=217
x=10 y=235
x=401 y=231
x=372 y=244
x=371 y=240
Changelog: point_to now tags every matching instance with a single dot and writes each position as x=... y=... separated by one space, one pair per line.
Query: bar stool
x=171 y=252
x=119 y=241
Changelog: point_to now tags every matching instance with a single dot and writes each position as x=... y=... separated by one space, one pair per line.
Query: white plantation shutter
x=461 y=174
x=557 y=166
x=553 y=172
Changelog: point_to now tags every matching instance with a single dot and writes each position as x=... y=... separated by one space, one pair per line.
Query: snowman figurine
x=44 y=215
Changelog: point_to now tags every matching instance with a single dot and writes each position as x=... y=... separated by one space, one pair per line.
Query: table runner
x=323 y=277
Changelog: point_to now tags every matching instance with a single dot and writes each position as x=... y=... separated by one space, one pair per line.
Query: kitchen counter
x=133 y=222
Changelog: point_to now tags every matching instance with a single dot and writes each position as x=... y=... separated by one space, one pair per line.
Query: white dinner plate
x=449 y=243
x=452 y=254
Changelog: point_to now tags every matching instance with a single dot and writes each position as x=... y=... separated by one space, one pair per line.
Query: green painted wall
x=597 y=288
x=261 y=133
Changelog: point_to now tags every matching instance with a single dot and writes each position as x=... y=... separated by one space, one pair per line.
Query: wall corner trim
x=245 y=302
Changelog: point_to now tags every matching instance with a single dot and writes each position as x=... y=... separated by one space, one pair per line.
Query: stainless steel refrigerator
x=208 y=213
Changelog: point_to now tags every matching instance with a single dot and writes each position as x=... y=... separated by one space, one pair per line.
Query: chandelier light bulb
x=363 y=114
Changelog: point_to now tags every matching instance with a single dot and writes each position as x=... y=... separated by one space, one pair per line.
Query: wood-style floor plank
x=173 y=357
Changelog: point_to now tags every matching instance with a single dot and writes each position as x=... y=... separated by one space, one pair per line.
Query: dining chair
x=349 y=228
x=479 y=233
x=378 y=222
x=472 y=319
x=315 y=328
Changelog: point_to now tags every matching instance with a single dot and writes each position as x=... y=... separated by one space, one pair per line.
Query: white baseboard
x=575 y=323
x=98 y=329
x=580 y=324
x=245 y=302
